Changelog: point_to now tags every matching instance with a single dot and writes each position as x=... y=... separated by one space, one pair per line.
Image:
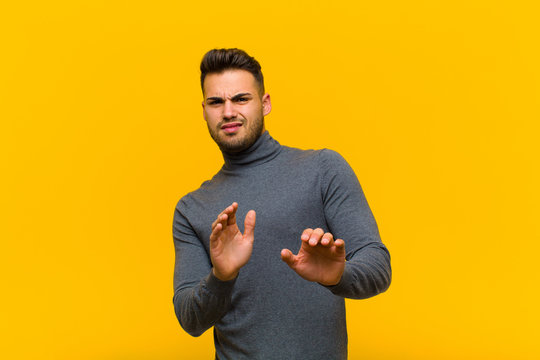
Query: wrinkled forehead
x=228 y=83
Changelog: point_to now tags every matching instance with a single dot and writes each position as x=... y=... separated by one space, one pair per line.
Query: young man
x=264 y=301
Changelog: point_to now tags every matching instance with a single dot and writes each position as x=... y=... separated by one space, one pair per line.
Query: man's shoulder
x=325 y=162
x=199 y=194
x=322 y=157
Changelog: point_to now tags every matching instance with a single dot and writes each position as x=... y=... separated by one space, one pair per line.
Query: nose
x=229 y=110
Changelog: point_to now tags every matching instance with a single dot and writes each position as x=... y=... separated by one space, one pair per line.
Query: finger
x=216 y=231
x=316 y=236
x=216 y=221
x=327 y=239
x=288 y=257
x=339 y=243
x=231 y=212
x=218 y=218
x=228 y=210
x=339 y=247
x=223 y=220
x=306 y=234
x=249 y=224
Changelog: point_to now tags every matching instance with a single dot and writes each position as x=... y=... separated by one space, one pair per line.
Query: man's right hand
x=229 y=248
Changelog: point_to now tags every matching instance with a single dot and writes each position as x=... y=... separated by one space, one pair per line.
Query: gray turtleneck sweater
x=268 y=311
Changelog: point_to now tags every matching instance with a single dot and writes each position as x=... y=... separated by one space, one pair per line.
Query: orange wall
x=434 y=104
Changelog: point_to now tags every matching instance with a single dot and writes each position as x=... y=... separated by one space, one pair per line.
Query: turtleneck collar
x=264 y=149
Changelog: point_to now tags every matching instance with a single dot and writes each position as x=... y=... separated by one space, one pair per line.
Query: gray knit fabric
x=268 y=311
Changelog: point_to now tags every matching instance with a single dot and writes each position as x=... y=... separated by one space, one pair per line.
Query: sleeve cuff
x=346 y=279
x=218 y=287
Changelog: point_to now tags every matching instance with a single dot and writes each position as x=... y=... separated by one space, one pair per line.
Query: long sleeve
x=200 y=299
x=367 y=269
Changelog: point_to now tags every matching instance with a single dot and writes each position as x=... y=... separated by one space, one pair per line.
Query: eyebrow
x=234 y=98
x=237 y=96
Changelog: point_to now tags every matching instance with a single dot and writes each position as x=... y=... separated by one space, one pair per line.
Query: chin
x=232 y=148
x=234 y=144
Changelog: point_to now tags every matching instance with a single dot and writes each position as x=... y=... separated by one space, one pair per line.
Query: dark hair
x=219 y=60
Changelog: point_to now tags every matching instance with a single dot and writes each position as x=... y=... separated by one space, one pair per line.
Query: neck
x=264 y=149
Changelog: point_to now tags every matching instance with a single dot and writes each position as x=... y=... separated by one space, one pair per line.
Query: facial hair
x=229 y=144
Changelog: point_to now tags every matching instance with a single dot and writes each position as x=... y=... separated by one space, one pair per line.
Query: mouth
x=230 y=128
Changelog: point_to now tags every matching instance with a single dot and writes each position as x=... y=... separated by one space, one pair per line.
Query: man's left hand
x=320 y=259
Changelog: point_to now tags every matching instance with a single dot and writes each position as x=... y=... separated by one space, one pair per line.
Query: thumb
x=288 y=257
x=249 y=224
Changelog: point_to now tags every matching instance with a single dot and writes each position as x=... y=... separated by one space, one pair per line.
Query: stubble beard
x=234 y=143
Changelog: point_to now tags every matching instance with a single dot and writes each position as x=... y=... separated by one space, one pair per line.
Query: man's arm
x=367 y=271
x=203 y=284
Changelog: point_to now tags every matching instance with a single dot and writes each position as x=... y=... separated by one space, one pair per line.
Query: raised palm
x=229 y=248
x=320 y=258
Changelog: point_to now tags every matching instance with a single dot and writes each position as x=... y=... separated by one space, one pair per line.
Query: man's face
x=233 y=109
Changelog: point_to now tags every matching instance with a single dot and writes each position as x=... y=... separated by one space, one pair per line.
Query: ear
x=267 y=104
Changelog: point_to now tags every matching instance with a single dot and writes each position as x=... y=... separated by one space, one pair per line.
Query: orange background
x=434 y=104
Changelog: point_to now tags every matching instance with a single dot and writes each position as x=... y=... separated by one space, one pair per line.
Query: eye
x=214 y=102
x=242 y=99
